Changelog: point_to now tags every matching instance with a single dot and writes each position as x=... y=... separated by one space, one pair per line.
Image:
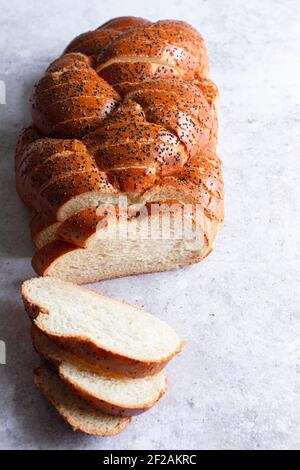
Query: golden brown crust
x=78 y=228
x=38 y=223
x=58 y=193
x=77 y=231
x=113 y=409
x=172 y=44
x=44 y=389
x=88 y=351
x=28 y=135
x=92 y=42
x=146 y=121
x=74 y=109
x=72 y=59
x=92 y=399
x=122 y=23
x=48 y=254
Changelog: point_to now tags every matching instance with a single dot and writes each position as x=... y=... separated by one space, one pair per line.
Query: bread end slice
x=80 y=416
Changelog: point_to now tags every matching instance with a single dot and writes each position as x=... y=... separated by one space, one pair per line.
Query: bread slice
x=79 y=415
x=111 y=394
x=42 y=229
x=83 y=249
x=104 y=331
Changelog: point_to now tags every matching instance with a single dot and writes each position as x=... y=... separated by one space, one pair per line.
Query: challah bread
x=78 y=414
x=127 y=111
x=105 y=332
x=111 y=394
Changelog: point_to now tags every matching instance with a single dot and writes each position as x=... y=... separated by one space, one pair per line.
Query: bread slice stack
x=103 y=358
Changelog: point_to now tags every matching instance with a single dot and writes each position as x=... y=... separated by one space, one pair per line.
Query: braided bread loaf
x=127 y=110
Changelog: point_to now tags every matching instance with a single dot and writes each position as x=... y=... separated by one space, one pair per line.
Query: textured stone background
x=237 y=384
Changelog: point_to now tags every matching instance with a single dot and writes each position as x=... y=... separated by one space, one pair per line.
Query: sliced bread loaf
x=112 y=394
x=162 y=236
x=104 y=331
x=79 y=415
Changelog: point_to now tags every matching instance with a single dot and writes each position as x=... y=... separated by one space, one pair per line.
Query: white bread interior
x=114 y=394
x=68 y=313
